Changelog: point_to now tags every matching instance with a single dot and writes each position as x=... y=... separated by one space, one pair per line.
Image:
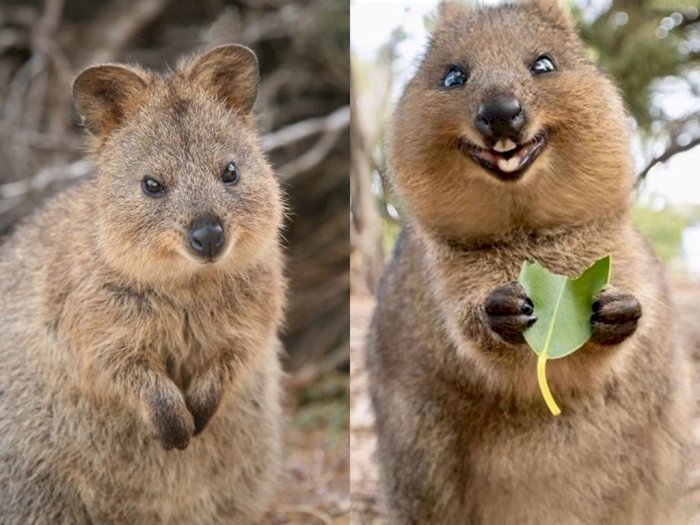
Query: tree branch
x=336 y=121
x=116 y=25
x=45 y=178
x=666 y=155
x=330 y=126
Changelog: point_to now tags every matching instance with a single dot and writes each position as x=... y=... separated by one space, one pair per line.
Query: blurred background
x=651 y=48
x=304 y=117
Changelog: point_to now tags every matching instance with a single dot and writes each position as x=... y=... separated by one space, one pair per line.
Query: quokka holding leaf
x=139 y=311
x=508 y=146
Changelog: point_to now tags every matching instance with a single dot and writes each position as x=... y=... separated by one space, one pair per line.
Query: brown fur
x=463 y=433
x=119 y=344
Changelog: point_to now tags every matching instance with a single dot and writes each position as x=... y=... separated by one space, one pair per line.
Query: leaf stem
x=544 y=387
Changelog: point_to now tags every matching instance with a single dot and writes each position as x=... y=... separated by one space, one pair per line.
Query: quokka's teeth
x=510 y=165
x=504 y=145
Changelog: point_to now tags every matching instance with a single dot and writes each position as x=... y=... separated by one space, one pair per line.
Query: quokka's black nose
x=207 y=236
x=500 y=117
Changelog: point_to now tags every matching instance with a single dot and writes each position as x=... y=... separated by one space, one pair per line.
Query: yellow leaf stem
x=544 y=387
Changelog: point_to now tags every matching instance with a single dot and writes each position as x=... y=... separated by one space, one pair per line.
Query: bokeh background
x=304 y=116
x=652 y=49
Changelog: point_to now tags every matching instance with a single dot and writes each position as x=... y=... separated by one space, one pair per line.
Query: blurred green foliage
x=651 y=47
x=640 y=42
x=664 y=228
x=324 y=404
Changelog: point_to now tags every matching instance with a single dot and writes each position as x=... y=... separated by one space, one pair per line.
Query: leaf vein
x=550 y=328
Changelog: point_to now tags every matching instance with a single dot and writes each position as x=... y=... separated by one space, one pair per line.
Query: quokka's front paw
x=509 y=311
x=202 y=400
x=171 y=420
x=615 y=316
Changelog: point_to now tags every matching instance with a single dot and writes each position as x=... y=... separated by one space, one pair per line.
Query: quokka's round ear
x=554 y=11
x=448 y=10
x=230 y=72
x=105 y=95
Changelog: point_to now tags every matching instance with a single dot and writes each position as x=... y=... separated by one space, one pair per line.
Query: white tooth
x=510 y=165
x=504 y=145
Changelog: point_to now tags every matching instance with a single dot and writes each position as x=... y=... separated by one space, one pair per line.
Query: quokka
x=509 y=145
x=139 y=311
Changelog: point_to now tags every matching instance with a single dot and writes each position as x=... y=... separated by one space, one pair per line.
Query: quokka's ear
x=555 y=12
x=104 y=96
x=230 y=72
x=449 y=10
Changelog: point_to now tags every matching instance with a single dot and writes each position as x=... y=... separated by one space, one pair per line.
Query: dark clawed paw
x=615 y=316
x=509 y=312
x=173 y=423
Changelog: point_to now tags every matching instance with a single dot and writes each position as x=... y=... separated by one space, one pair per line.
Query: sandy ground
x=366 y=507
x=314 y=485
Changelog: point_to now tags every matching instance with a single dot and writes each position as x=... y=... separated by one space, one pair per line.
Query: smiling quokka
x=139 y=311
x=509 y=145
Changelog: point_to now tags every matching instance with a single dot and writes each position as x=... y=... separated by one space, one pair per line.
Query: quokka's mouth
x=506 y=159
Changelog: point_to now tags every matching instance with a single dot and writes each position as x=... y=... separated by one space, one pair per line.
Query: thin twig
x=665 y=156
x=279 y=23
x=46 y=178
x=117 y=24
x=332 y=125
x=311 y=372
x=40 y=140
x=14 y=102
x=233 y=25
x=308 y=510
x=338 y=120
x=313 y=157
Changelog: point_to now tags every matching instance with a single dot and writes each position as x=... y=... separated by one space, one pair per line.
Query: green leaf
x=563 y=307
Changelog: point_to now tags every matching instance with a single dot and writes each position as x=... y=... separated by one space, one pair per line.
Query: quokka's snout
x=500 y=118
x=207 y=236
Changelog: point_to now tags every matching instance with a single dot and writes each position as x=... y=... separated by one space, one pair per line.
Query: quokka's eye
x=542 y=65
x=454 y=77
x=230 y=175
x=152 y=187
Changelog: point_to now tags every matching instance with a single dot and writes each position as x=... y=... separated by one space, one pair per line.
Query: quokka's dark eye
x=454 y=77
x=152 y=187
x=230 y=175
x=542 y=65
